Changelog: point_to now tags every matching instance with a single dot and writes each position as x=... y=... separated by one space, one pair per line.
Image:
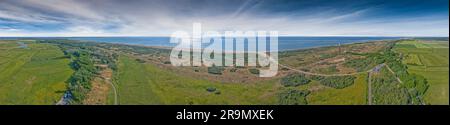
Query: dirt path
x=318 y=74
x=101 y=86
x=393 y=73
x=115 y=91
x=108 y=79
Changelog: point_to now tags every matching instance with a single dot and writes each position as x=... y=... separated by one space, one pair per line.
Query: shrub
x=294 y=80
x=240 y=67
x=140 y=60
x=317 y=78
x=254 y=71
x=293 y=97
x=338 y=82
x=210 y=89
x=215 y=70
x=167 y=62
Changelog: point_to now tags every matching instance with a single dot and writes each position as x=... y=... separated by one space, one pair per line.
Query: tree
x=294 y=80
x=338 y=82
x=293 y=97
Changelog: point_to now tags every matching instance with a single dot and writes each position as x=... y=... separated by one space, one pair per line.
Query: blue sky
x=163 y=17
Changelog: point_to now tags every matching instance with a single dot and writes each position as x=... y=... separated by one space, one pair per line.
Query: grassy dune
x=32 y=75
x=432 y=63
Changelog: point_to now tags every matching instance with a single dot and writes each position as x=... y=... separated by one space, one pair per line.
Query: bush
x=387 y=91
x=338 y=82
x=294 y=80
x=317 y=78
x=254 y=71
x=167 y=62
x=417 y=82
x=215 y=70
x=210 y=89
x=80 y=81
x=240 y=67
x=293 y=97
x=140 y=60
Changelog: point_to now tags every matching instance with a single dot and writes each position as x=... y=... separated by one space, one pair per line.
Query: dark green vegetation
x=364 y=64
x=386 y=90
x=414 y=84
x=79 y=82
x=254 y=71
x=217 y=70
x=294 y=80
x=293 y=97
x=338 y=82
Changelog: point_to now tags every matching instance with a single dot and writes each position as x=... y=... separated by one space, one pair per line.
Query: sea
x=284 y=43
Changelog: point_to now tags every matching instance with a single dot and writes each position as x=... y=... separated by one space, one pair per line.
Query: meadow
x=431 y=60
x=355 y=94
x=35 y=74
x=145 y=83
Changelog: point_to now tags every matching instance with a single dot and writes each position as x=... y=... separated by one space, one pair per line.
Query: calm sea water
x=284 y=43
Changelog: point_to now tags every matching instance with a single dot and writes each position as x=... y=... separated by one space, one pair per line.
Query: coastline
x=330 y=38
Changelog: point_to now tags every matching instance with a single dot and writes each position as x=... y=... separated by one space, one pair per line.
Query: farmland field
x=35 y=74
x=432 y=61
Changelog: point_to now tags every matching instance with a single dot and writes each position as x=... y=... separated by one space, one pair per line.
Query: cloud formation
x=163 y=17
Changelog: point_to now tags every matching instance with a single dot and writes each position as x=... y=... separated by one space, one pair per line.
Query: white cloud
x=155 y=18
x=71 y=7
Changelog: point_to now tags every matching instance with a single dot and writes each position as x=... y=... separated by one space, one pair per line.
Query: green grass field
x=412 y=59
x=353 y=95
x=435 y=61
x=140 y=83
x=32 y=75
x=422 y=44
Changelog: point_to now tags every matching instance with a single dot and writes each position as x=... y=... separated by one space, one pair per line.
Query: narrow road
x=108 y=80
x=390 y=70
x=107 y=77
x=318 y=74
